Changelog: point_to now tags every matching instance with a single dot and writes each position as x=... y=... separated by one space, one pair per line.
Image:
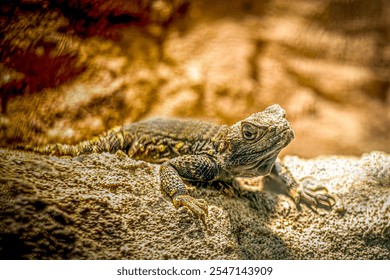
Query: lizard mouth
x=260 y=163
x=249 y=163
x=262 y=166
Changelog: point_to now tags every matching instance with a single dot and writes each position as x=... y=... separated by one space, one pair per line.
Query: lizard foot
x=315 y=196
x=198 y=207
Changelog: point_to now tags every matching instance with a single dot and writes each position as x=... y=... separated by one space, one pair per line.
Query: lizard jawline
x=260 y=167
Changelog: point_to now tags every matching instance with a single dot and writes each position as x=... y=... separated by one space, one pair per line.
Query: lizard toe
x=198 y=207
x=315 y=196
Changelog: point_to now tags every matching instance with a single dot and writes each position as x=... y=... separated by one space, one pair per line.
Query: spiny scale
x=155 y=140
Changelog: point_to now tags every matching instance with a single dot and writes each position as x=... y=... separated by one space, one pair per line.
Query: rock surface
x=109 y=206
x=70 y=70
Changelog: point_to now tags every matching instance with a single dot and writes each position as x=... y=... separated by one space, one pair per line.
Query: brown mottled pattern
x=192 y=150
x=158 y=140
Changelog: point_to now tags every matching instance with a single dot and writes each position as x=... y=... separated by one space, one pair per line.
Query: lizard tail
x=111 y=142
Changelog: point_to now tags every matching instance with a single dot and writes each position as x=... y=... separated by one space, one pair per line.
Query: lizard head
x=256 y=141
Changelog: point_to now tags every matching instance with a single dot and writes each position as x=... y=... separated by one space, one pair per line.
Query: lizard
x=191 y=150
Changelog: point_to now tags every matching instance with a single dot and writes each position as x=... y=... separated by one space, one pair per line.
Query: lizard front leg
x=195 y=168
x=312 y=196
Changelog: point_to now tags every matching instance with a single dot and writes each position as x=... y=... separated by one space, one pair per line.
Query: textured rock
x=105 y=206
x=73 y=69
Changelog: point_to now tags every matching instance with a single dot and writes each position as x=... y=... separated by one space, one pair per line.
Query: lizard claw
x=317 y=196
x=198 y=207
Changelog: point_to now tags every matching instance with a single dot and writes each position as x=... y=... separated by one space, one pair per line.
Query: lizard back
x=155 y=140
x=158 y=140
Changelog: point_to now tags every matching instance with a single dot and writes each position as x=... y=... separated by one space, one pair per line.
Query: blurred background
x=72 y=69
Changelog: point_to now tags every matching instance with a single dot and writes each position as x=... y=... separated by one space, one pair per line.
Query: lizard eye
x=249 y=132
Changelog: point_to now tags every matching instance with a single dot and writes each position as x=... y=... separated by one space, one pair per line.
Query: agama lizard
x=193 y=150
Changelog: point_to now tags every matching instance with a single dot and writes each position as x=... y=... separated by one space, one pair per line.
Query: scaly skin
x=201 y=151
